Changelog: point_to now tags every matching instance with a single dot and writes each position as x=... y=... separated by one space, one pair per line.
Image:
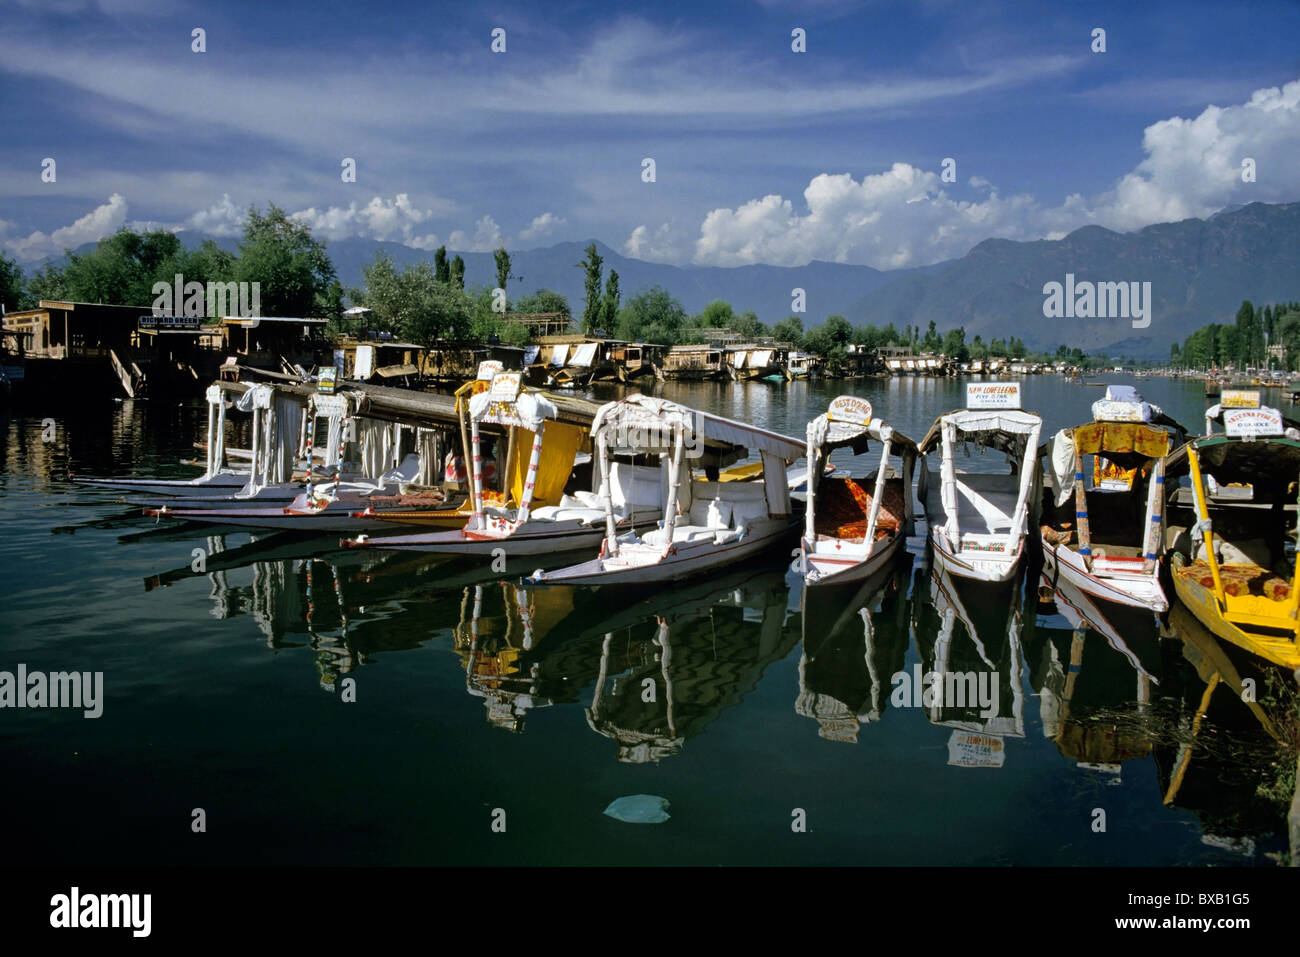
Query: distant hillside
x=1199 y=270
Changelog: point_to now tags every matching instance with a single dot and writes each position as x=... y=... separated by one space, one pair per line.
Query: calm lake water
x=224 y=691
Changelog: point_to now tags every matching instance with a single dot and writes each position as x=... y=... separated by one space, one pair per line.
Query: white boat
x=708 y=524
x=1095 y=538
x=849 y=533
x=543 y=519
x=217 y=481
x=978 y=520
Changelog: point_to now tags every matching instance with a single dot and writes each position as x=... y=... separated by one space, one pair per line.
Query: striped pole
x=476 y=473
x=1155 y=517
x=531 y=478
x=1081 y=512
x=873 y=514
x=606 y=495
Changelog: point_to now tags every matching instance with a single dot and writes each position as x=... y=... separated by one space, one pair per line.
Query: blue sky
x=762 y=154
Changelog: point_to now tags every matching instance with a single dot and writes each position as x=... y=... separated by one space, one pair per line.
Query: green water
x=749 y=710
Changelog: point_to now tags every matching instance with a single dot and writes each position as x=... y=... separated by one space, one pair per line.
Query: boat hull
x=222 y=485
x=674 y=566
x=824 y=570
x=1203 y=604
x=991 y=571
x=533 y=538
x=1066 y=564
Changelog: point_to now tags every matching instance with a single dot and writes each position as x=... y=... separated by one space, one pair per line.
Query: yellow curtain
x=560 y=443
x=1121 y=437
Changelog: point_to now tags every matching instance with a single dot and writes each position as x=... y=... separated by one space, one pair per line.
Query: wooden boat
x=1232 y=532
x=798 y=366
x=848 y=532
x=534 y=516
x=218 y=481
x=708 y=524
x=978 y=520
x=1105 y=540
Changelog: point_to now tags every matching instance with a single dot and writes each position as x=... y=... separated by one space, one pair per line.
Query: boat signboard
x=325 y=380
x=993 y=395
x=489 y=368
x=850 y=409
x=1239 y=399
x=505 y=386
x=967 y=749
x=1249 y=423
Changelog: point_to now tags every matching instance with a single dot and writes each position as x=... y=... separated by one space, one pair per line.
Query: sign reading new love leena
x=993 y=395
x=1249 y=423
x=850 y=409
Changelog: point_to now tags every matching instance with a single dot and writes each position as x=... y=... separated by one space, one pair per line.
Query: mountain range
x=1199 y=270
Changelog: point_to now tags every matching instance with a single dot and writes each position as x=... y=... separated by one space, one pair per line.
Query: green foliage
x=122 y=268
x=48 y=282
x=441 y=268
x=954 y=345
x=653 y=316
x=543 y=300
x=12 y=294
x=295 y=274
x=503 y=268
x=413 y=304
x=789 y=329
x=609 y=306
x=458 y=273
x=592 y=309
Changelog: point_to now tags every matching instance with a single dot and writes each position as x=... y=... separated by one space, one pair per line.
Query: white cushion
x=699 y=514
x=719 y=514
x=588 y=499
x=747 y=513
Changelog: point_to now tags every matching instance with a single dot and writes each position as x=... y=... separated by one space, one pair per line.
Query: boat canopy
x=646 y=423
x=830 y=434
x=1007 y=430
x=1123 y=403
x=1268 y=464
x=526 y=411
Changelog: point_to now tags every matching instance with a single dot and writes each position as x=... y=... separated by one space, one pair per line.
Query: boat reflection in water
x=670 y=665
x=969 y=678
x=855 y=639
x=500 y=642
x=1219 y=756
x=1095 y=686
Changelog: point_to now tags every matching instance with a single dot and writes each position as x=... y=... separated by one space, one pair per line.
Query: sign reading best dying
x=993 y=395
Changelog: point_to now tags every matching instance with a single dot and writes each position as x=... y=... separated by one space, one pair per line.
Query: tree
x=609 y=307
x=1016 y=348
x=789 y=329
x=954 y=345
x=978 y=350
x=592 y=309
x=458 y=273
x=716 y=315
x=441 y=268
x=543 y=300
x=503 y=267
x=48 y=282
x=413 y=304
x=294 y=273
x=122 y=268
x=12 y=294
x=653 y=316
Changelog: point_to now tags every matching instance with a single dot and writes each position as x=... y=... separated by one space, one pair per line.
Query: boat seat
x=841 y=506
x=683 y=534
x=984 y=500
x=1238 y=580
x=561 y=513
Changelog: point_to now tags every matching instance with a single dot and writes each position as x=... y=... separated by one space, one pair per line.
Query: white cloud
x=487 y=237
x=540 y=226
x=382 y=219
x=100 y=222
x=222 y=218
x=904 y=217
x=1193 y=167
x=659 y=246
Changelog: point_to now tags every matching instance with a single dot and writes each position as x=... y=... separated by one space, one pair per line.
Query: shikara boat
x=1103 y=537
x=534 y=515
x=1232 y=527
x=218 y=481
x=708 y=524
x=978 y=519
x=849 y=532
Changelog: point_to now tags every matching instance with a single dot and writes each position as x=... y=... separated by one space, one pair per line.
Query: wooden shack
x=695 y=363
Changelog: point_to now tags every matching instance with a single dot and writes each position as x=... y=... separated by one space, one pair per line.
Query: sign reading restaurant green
x=171 y=323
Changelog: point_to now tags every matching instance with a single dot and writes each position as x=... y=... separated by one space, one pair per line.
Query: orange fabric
x=842 y=506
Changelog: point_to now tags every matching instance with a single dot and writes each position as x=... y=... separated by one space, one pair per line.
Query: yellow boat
x=1229 y=556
